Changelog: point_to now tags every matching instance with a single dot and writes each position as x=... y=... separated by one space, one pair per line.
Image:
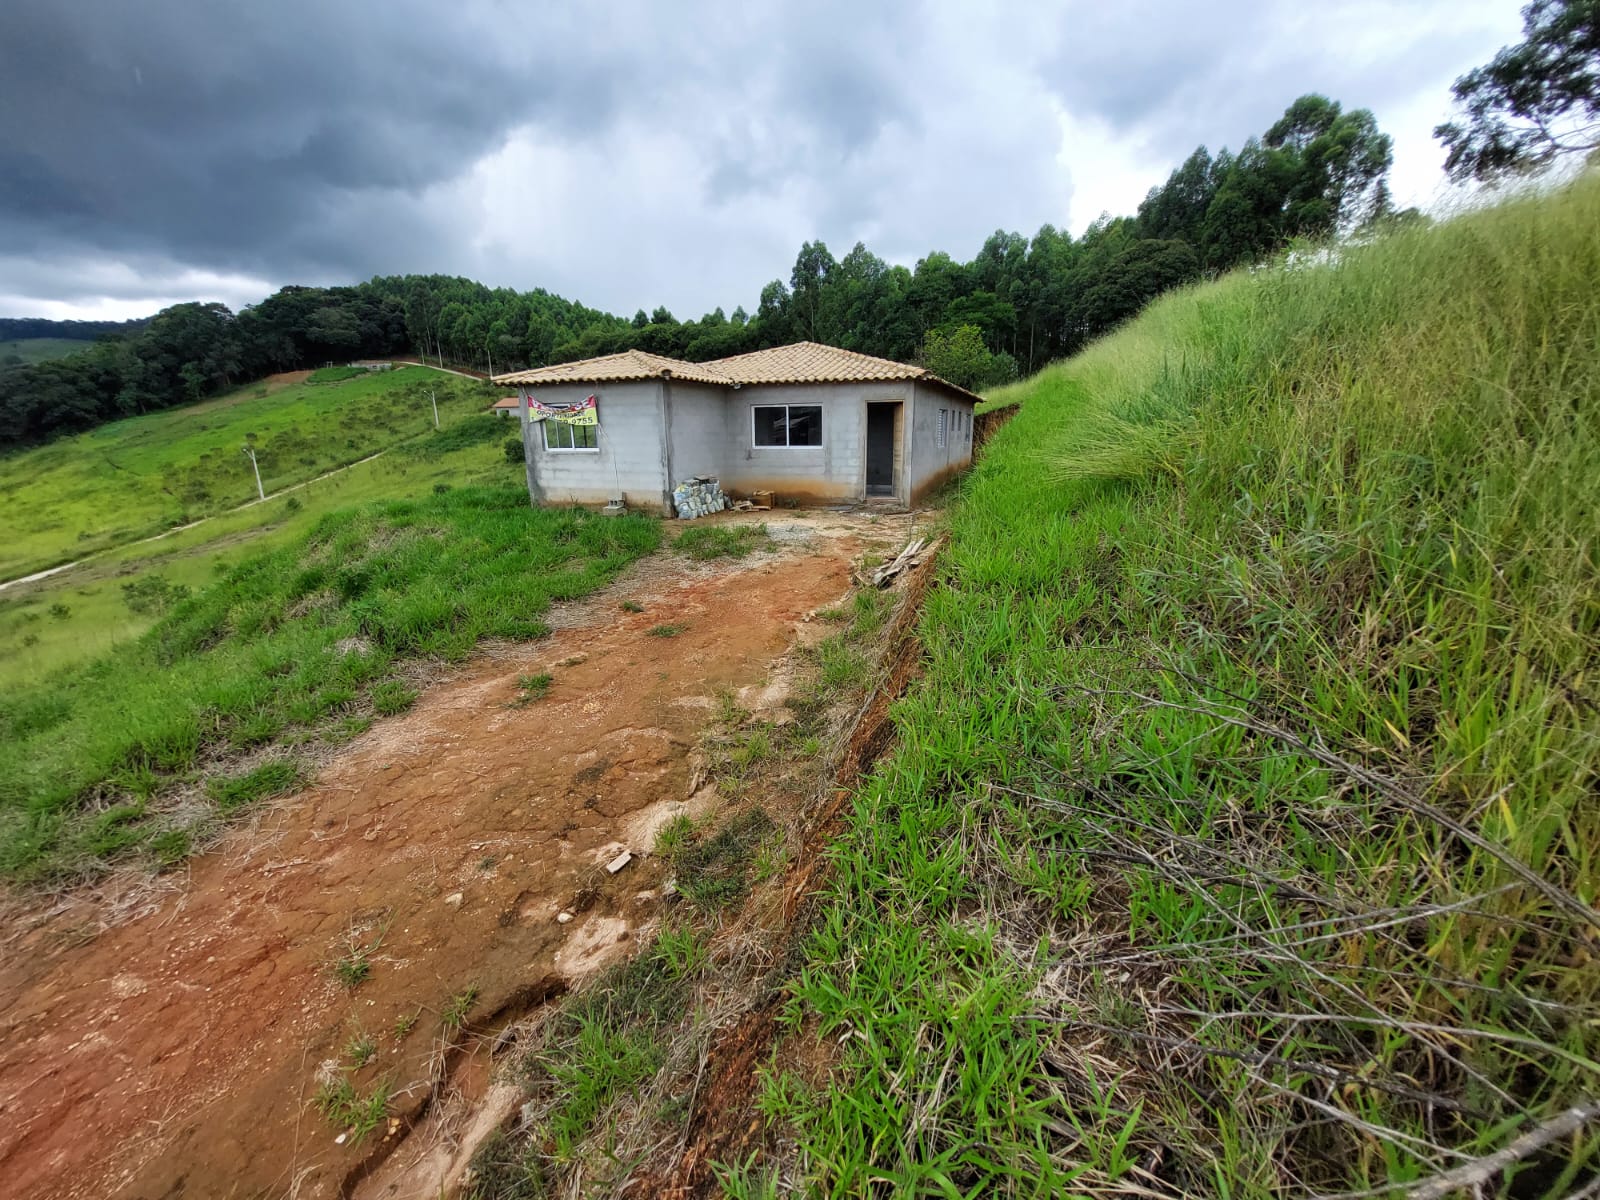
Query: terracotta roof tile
x=616 y=368
x=801 y=362
x=812 y=362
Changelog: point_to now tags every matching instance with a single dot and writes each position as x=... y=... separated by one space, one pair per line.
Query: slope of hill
x=136 y=477
x=1242 y=839
x=36 y=350
x=103 y=500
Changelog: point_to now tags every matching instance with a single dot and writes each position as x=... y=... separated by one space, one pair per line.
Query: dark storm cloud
x=627 y=153
x=799 y=97
x=222 y=131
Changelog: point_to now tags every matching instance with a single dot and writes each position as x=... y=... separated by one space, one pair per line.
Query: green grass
x=137 y=477
x=276 y=778
x=353 y=969
x=38 y=350
x=1241 y=826
x=291 y=644
x=347 y=1110
x=713 y=869
x=33 y=644
x=606 y=1041
x=533 y=687
x=666 y=631
x=456 y=1009
x=704 y=542
x=336 y=374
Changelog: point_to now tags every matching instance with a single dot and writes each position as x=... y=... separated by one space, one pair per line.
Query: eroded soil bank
x=178 y=1054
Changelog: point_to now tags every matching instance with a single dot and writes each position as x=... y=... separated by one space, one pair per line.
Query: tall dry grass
x=1242 y=839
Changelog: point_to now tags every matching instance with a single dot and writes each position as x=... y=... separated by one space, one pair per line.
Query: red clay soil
x=176 y=1055
x=724 y=1126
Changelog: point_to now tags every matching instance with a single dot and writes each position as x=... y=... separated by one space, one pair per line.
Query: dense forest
x=1319 y=171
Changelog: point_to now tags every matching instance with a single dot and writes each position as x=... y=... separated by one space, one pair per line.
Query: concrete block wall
x=932 y=464
x=831 y=472
x=630 y=457
x=656 y=433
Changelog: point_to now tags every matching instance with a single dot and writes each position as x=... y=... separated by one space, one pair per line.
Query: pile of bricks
x=698 y=497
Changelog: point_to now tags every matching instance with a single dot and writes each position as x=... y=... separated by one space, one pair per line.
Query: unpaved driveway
x=176 y=1055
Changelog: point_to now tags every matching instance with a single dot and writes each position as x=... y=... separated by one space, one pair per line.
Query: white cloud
x=89 y=288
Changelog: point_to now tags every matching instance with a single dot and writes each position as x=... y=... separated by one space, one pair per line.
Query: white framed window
x=560 y=436
x=944 y=428
x=785 y=426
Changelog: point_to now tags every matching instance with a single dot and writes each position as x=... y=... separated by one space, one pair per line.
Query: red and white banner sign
x=585 y=412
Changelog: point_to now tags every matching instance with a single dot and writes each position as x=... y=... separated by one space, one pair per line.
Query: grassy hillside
x=1242 y=839
x=42 y=349
x=141 y=748
x=75 y=616
x=134 y=478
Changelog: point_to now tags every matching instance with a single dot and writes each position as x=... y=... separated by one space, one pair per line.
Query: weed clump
x=346 y=1109
x=456 y=1009
x=533 y=687
x=714 y=870
x=276 y=778
x=705 y=542
x=352 y=969
x=361 y=1049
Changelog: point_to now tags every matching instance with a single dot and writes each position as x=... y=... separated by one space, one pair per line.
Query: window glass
x=787 y=424
x=771 y=425
x=944 y=423
x=559 y=436
x=805 y=425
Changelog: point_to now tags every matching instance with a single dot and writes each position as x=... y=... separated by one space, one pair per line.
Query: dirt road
x=177 y=1055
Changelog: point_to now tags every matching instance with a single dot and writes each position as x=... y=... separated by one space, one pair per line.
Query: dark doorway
x=882 y=423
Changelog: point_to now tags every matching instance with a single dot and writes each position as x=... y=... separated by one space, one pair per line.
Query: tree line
x=1317 y=172
x=1022 y=302
x=1018 y=304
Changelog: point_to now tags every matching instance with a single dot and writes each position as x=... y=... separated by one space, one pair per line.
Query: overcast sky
x=635 y=154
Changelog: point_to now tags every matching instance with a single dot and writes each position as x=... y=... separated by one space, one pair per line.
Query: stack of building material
x=908 y=558
x=698 y=497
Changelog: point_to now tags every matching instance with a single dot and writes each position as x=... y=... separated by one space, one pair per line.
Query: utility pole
x=491 y=361
x=250 y=453
x=435 y=400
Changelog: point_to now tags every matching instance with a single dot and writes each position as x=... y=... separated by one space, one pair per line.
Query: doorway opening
x=883 y=447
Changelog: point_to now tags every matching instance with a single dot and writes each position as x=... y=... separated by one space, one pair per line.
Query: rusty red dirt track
x=176 y=1055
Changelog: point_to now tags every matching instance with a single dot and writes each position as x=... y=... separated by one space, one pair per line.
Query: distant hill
x=14 y=329
x=28 y=340
x=136 y=477
x=37 y=350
